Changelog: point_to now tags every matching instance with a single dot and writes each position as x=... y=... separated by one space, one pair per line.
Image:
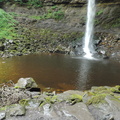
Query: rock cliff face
x=60 y=23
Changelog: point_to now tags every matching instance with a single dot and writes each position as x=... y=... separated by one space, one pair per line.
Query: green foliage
x=75 y=98
x=35 y=3
x=1 y=0
x=114 y=23
x=49 y=100
x=30 y=3
x=3 y=108
x=7 y=24
x=19 y=1
x=53 y=13
x=99 y=12
x=24 y=102
x=115 y=89
x=96 y=99
x=13 y=14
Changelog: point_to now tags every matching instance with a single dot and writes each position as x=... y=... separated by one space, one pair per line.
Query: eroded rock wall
x=44 y=30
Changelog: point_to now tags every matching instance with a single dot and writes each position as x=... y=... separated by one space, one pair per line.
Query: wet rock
x=64 y=111
x=16 y=110
x=97 y=42
x=114 y=104
x=100 y=88
x=77 y=48
x=26 y=83
x=100 y=113
x=87 y=96
x=2 y=47
x=2 y=115
x=66 y=95
x=108 y=110
x=46 y=109
x=32 y=103
x=82 y=112
x=105 y=57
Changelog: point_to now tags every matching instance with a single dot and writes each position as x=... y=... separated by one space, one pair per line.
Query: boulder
x=33 y=103
x=66 y=95
x=26 y=83
x=79 y=111
x=2 y=115
x=109 y=110
x=114 y=105
x=16 y=110
x=63 y=111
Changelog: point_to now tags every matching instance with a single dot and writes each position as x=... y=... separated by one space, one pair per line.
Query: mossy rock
x=115 y=89
x=49 y=100
x=24 y=102
x=74 y=98
x=98 y=89
x=26 y=83
x=96 y=99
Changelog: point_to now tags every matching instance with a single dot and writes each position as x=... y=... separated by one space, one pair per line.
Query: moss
x=117 y=98
x=52 y=13
x=3 y=108
x=75 y=98
x=16 y=87
x=24 y=102
x=98 y=94
x=49 y=100
x=115 y=89
x=97 y=89
x=96 y=99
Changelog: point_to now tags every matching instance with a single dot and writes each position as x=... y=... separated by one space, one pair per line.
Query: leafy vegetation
x=7 y=25
x=99 y=12
x=53 y=13
x=35 y=3
x=96 y=99
x=30 y=3
x=75 y=98
x=114 y=23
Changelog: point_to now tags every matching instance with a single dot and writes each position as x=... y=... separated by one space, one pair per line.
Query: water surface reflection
x=60 y=71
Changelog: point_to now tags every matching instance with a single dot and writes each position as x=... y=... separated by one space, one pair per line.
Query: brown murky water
x=60 y=71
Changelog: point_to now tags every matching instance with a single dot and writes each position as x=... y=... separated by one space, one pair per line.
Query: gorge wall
x=59 y=26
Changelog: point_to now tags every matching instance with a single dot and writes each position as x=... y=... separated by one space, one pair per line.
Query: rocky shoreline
x=24 y=101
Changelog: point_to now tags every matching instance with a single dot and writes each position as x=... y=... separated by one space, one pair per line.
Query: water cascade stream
x=88 y=45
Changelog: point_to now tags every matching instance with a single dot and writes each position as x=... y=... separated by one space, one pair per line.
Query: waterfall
x=88 y=46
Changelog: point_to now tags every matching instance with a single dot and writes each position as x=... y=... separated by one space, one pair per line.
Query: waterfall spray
x=88 y=45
